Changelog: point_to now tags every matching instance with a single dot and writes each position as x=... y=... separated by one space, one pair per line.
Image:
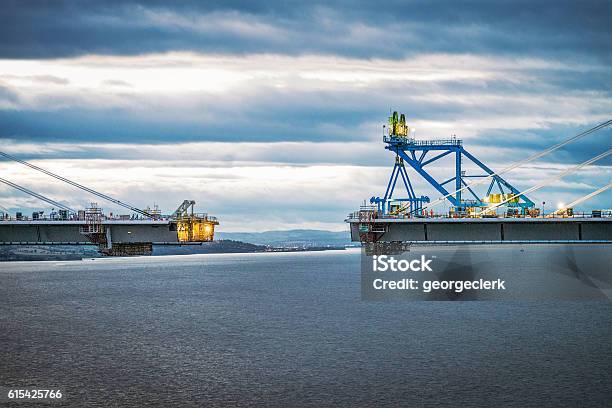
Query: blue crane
x=422 y=153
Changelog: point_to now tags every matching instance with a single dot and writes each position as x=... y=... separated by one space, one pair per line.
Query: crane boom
x=75 y=184
x=183 y=209
x=39 y=196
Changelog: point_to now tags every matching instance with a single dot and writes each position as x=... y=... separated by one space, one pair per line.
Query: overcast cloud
x=270 y=115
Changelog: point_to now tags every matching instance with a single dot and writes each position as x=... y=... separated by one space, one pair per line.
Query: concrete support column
x=109 y=239
x=458 y=177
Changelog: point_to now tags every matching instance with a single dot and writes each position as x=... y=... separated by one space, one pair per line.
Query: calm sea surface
x=286 y=329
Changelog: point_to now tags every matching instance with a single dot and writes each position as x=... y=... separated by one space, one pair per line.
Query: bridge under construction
x=501 y=213
x=115 y=235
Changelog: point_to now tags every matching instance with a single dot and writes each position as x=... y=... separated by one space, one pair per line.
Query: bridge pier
x=109 y=239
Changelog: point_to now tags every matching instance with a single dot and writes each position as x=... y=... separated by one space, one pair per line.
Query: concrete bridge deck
x=116 y=231
x=113 y=237
x=486 y=229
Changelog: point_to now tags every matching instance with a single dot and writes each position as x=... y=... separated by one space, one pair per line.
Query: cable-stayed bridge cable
x=75 y=184
x=39 y=196
x=522 y=162
x=551 y=180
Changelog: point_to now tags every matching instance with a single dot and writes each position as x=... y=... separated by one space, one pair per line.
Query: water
x=286 y=329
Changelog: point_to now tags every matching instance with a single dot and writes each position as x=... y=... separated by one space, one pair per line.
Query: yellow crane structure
x=191 y=226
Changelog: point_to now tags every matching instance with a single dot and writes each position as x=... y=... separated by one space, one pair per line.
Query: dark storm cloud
x=349 y=113
x=42 y=29
x=78 y=125
x=571 y=33
x=525 y=140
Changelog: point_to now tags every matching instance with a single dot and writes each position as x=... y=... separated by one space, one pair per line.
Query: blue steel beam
x=419 y=169
x=407 y=149
x=470 y=190
x=436 y=158
x=458 y=175
x=398 y=169
x=490 y=187
x=407 y=182
x=401 y=147
x=447 y=181
x=528 y=202
x=391 y=182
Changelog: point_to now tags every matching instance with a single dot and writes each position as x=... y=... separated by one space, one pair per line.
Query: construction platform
x=114 y=237
x=481 y=230
x=119 y=235
x=475 y=218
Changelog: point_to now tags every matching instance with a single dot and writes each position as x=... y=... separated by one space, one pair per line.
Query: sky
x=269 y=114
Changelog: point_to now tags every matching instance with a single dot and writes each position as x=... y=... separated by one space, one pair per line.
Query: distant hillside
x=222 y=246
x=290 y=238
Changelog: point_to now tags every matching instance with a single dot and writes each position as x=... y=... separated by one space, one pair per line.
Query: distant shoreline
x=11 y=253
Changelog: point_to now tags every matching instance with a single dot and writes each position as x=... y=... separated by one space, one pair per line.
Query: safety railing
x=414 y=142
